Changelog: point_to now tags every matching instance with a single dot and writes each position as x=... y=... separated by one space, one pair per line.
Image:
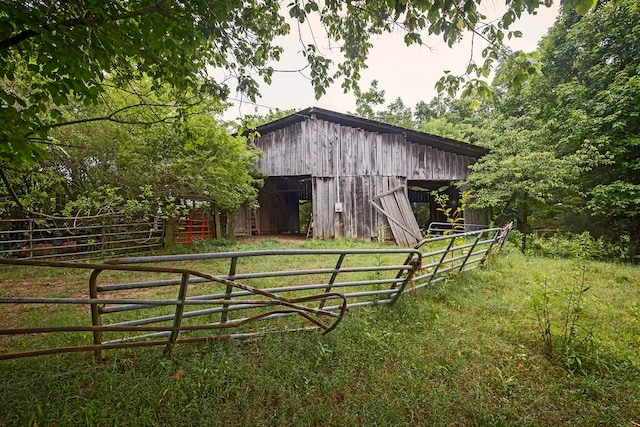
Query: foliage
x=398 y=114
x=597 y=102
x=441 y=126
x=454 y=214
x=567 y=333
x=569 y=137
x=442 y=116
x=511 y=177
x=59 y=53
x=395 y=113
x=571 y=245
x=367 y=102
x=565 y=337
x=152 y=155
x=252 y=121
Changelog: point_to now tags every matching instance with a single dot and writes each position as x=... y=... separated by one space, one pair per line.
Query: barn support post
x=95 y=313
x=216 y=219
x=30 y=238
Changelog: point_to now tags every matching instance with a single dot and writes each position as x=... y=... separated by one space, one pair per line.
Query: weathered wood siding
x=358 y=219
x=351 y=166
x=321 y=148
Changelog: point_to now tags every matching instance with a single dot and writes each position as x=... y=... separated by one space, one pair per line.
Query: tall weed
x=566 y=328
x=573 y=245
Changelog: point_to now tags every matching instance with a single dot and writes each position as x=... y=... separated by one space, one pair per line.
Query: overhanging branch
x=12 y=41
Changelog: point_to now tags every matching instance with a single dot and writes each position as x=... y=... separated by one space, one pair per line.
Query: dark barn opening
x=279 y=201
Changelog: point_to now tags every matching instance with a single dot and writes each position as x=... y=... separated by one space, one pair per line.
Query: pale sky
x=408 y=72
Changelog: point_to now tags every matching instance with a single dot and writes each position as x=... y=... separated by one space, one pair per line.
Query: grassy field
x=526 y=341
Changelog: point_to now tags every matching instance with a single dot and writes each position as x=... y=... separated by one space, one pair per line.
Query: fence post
x=415 y=263
x=505 y=235
x=177 y=320
x=227 y=296
x=30 y=238
x=333 y=278
x=95 y=313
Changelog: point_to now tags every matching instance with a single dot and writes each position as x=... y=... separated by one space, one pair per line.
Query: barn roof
x=439 y=142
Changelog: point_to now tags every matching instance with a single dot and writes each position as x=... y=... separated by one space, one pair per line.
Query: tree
x=520 y=175
x=581 y=117
x=56 y=54
x=146 y=158
x=252 y=121
x=368 y=102
x=596 y=99
x=396 y=113
x=435 y=109
x=442 y=127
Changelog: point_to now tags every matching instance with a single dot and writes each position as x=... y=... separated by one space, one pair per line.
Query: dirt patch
x=46 y=288
x=282 y=238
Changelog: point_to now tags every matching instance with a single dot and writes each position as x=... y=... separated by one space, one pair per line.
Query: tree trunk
x=522 y=215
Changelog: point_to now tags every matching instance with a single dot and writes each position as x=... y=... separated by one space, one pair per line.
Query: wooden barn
x=358 y=178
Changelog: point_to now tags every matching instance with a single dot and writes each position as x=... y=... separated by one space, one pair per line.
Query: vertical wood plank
x=350 y=214
x=374 y=166
x=422 y=161
x=366 y=207
x=380 y=154
x=284 y=161
x=313 y=148
x=403 y=145
x=346 y=155
x=335 y=145
x=322 y=208
x=362 y=165
x=436 y=163
x=329 y=212
x=315 y=208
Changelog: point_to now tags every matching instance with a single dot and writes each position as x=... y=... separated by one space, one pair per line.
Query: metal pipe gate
x=167 y=300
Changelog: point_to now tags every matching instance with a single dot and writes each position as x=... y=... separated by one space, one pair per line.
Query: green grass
x=465 y=352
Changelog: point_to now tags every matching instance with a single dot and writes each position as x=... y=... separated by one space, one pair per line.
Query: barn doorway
x=423 y=203
x=284 y=202
x=305 y=208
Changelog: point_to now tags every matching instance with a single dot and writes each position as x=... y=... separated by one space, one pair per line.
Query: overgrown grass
x=465 y=352
x=574 y=245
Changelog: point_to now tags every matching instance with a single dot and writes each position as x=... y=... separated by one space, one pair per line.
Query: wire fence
x=166 y=300
x=65 y=238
